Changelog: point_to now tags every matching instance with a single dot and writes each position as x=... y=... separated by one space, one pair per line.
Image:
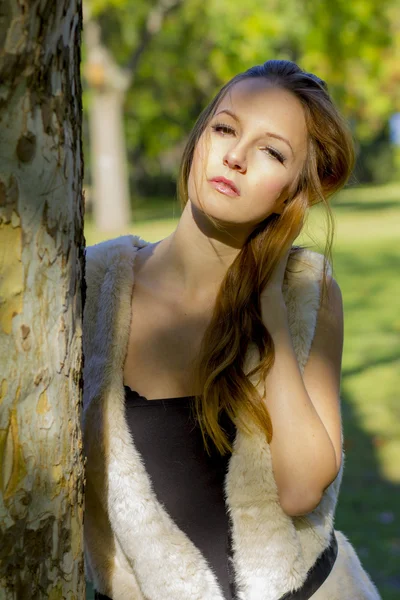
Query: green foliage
x=354 y=46
x=376 y=160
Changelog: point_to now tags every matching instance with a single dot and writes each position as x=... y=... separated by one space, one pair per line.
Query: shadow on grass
x=378 y=362
x=368 y=278
x=368 y=507
x=369 y=198
x=377 y=206
x=367 y=511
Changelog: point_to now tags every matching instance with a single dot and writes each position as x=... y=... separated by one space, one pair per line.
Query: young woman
x=212 y=422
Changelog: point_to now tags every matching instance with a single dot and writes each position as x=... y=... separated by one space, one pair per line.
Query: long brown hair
x=236 y=320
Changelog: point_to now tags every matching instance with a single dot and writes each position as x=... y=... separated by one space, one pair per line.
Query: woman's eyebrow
x=270 y=133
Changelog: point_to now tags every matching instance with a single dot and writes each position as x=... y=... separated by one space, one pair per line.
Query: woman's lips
x=224 y=186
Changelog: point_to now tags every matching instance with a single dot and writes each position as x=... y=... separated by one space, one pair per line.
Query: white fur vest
x=133 y=549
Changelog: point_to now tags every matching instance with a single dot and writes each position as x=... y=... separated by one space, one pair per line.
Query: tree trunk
x=41 y=262
x=111 y=204
x=108 y=84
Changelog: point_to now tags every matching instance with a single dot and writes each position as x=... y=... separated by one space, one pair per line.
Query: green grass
x=367 y=268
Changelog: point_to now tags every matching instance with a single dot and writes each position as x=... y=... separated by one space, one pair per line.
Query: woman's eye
x=222 y=128
x=227 y=130
x=275 y=154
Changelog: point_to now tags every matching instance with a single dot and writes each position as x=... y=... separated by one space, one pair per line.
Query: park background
x=149 y=68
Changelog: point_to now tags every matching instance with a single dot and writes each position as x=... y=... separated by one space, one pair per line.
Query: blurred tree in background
x=200 y=44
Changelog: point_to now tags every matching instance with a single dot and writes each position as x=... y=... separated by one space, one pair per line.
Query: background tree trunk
x=108 y=84
x=41 y=262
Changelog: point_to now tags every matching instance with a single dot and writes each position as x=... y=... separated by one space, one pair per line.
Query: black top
x=186 y=480
x=190 y=485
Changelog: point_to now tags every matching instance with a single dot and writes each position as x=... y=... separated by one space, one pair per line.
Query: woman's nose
x=235 y=160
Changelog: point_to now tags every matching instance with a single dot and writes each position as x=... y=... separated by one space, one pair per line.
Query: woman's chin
x=219 y=210
x=225 y=225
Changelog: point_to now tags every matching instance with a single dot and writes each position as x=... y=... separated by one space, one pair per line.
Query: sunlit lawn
x=367 y=268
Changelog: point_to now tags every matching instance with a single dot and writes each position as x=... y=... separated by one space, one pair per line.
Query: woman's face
x=239 y=144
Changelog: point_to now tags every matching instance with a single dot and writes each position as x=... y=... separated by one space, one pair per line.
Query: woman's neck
x=192 y=260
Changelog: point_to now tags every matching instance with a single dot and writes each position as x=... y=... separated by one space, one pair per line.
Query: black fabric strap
x=317 y=574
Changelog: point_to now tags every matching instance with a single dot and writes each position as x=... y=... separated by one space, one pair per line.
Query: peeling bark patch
x=20 y=569
x=11 y=459
x=25 y=331
x=16 y=39
x=26 y=340
x=9 y=195
x=51 y=225
x=45 y=412
x=47 y=116
x=42 y=375
x=56 y=593
x=12 y=280
x=15 y=220
x=26 y=147
x=5 y=20
x=12 y=68
x=43 y=405
x=3 y=390
x=3 y=193
x=58 y=481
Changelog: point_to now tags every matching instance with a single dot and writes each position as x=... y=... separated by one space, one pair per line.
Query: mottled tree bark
x=41 y=274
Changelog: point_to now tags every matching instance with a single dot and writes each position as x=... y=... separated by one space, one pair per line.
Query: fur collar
x=133 y=549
